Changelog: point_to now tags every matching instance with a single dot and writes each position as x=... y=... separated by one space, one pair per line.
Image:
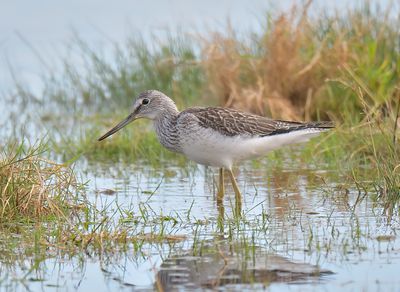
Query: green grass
x=44 y=210
x=136 y=143
x=347 y=68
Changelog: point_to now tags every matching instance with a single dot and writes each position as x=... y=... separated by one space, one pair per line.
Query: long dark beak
x=118 y=127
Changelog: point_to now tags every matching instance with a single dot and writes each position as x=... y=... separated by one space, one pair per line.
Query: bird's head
x=150 y=104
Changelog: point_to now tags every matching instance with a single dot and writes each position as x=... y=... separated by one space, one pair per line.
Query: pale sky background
x=48 y=25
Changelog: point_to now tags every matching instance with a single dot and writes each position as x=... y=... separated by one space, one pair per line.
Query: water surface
x=299 y=232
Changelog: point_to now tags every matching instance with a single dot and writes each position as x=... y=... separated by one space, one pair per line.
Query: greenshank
x=216 y=136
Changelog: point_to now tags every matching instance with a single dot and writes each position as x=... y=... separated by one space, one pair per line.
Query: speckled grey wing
x=231 y=122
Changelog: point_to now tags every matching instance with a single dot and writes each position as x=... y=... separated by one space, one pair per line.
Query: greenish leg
x=221 y=187
x=238 y=195
x=221 y=217
x=220 y=198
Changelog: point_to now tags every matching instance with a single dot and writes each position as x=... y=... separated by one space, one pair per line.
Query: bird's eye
x=145 y=101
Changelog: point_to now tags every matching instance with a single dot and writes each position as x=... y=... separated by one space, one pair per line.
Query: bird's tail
x=325 y=125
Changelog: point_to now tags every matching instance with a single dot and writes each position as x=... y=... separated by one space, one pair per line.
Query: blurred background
x=46 y=28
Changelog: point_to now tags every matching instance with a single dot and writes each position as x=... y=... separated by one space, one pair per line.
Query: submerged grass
x=44 y=211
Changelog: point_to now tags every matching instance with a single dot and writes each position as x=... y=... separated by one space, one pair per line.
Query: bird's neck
x=166 y=129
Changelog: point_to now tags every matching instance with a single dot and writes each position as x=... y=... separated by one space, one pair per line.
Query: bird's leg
x=238 y=196
x=221 y=216
x=221 y=187
x=220 y=204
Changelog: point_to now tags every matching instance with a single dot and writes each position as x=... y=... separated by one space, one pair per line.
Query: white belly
x=208 y=147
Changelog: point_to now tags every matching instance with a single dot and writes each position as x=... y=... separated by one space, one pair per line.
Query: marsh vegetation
x=139 y=215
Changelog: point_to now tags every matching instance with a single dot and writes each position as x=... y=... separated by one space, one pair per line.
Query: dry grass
x=277 y=75
x=32 y=187
x=343 y=66
x=290 y=71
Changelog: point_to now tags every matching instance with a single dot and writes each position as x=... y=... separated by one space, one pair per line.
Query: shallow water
x=299 y=232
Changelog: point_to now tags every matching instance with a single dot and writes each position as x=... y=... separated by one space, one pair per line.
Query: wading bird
x=216 y=136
